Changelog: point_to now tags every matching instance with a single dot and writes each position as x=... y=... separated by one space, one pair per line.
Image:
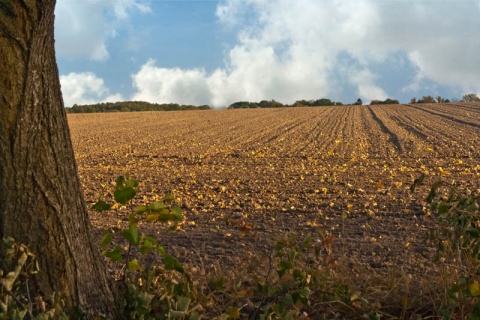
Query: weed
x=457 y=238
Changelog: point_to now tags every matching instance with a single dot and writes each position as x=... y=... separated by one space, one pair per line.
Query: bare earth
x=343 y=169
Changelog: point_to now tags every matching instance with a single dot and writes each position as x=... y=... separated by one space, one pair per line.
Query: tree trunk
x=41 y=199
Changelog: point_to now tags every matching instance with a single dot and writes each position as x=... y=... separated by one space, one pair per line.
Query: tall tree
x=41 y=199
x=470 y=97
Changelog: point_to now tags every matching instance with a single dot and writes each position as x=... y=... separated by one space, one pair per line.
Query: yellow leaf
x=228 y=234
x=475 y=289
x=152 y=217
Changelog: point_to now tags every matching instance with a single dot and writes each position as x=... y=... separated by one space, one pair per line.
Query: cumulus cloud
x=83 y=28
x=163 y=85
x=288 y=50
x=85 y=88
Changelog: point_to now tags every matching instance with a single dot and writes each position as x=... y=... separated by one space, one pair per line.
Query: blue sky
x=219 y=52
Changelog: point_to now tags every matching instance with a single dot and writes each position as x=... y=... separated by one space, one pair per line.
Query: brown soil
x=343 y=169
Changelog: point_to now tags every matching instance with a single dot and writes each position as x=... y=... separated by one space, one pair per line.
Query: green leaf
x=262 y=288
x=148 y=245
x=162 y=251
x=133 y=265
x=433 y=191
x=443 y=208
x=417 y=182
x=288 y=299
x=475 y=313
x=283 y=267
x=473 y=207
x=141 y=209
x=173 y=314
x=298 y=275
x=183 y=304
x=177 y=213
x=169 y=198
x=120 y=182
x=233 y=312
x=171 y=263
x=115 y=254
x=101 y=206
x=164 y=216
x=152 y=217
x=305 y=293
x=124 y=195
x=131 y=183
x=132 y=220
x=474 y=233
x=157 y=205
x=131 y=235
x=107 y=238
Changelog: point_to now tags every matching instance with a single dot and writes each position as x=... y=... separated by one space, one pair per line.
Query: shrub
x=386 y=101
x=359 y=102
x=427 y=99
x=470 y=97
x=457 y=238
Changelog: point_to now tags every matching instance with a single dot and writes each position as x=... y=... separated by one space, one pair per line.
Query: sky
x=220 y=52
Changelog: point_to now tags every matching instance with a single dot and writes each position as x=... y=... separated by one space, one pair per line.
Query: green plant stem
x=127 y=257
x=10 y=293
x=30 y=312
x=267 y=276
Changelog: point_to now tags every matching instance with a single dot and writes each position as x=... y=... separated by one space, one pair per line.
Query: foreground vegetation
x=299 y=278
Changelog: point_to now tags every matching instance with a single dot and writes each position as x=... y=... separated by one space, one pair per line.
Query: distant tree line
x=276 y=104
x=470 y=97
x=324 y=102
x=253 y=105
x=132 y=106
x=429 y=99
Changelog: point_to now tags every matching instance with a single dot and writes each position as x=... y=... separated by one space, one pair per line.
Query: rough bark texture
x=41 y=200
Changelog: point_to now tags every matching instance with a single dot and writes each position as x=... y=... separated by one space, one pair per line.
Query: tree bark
x=41 y=199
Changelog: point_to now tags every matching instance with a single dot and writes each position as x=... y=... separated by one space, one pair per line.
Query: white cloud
x=364 y=81
x=121 y=8
x=85 y=88
x=162 y=85
x=286 y=52
x=83 y=28
x=289 y=50
x=439 y=38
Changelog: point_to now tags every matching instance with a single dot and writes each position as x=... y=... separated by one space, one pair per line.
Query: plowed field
x=343 y=169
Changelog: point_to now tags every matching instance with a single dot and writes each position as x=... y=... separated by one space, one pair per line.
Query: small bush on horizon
x=386 y=101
